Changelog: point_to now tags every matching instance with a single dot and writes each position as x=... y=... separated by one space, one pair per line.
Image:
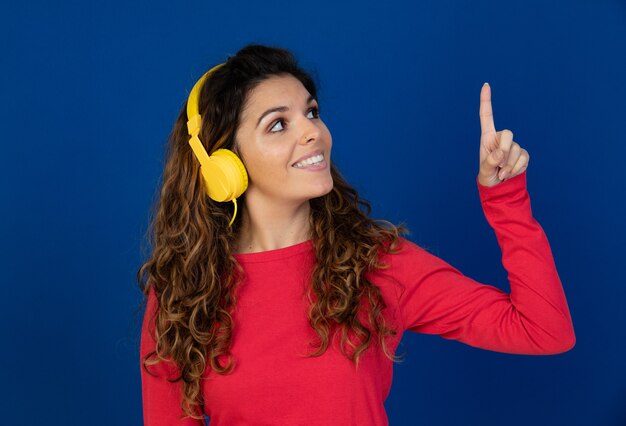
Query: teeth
x=313 y=160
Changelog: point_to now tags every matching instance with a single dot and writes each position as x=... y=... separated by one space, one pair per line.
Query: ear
x=237 y=150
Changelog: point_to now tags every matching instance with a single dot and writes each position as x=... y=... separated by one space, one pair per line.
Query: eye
x=280 y=120
x=314 y=110
x=317 y=112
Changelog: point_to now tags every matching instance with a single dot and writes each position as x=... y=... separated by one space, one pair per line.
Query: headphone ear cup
x=225 y=176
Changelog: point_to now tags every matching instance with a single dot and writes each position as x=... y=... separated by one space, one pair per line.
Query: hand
x=500 y=157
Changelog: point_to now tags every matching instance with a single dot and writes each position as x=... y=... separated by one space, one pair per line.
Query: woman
x=289 y=311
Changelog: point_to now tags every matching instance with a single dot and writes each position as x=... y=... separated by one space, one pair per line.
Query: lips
x=309 y=155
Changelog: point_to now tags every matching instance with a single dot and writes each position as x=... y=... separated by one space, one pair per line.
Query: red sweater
x=273 y=385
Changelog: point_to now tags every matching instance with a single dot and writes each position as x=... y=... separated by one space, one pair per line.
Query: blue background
x=91 y=90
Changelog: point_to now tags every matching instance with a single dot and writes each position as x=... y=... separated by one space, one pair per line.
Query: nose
x=310 y=132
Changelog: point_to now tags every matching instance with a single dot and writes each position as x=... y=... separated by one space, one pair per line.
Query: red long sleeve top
x=274 y=384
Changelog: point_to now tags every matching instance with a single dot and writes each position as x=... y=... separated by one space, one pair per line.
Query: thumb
x=489 y=167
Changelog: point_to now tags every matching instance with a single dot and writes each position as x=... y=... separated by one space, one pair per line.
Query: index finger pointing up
x=485 y=112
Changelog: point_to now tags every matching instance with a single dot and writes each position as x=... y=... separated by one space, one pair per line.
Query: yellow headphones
x=224 y=174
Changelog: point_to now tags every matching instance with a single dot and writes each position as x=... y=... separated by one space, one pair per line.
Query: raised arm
x=533 y=319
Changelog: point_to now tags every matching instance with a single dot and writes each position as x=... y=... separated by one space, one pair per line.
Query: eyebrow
x=281 y=109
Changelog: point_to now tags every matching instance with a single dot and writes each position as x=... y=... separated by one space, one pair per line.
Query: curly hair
x=192 y=270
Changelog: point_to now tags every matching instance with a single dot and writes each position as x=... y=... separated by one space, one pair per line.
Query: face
x=280 y=127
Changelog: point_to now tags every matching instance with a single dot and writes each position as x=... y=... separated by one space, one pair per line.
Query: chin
x=326 y=189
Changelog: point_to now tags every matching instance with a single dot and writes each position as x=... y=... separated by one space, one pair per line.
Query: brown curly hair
x=192 y=270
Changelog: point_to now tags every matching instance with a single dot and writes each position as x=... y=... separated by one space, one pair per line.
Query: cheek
x=329 y=137
x=269 y=166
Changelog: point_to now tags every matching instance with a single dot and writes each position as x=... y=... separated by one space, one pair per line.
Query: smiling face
x=279 y=128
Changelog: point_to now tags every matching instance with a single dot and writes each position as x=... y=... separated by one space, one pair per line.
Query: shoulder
x=401 y=266
x=403 y=248
x=409 y=260
x=395 y=256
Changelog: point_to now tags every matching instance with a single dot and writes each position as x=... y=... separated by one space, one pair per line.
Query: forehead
x=277 y=90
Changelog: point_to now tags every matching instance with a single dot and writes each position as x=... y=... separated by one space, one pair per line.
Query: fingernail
x=486 y=84
x=503 y=174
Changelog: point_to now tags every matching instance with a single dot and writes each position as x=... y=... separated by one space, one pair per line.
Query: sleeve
x=534 y=319
x=161 y=398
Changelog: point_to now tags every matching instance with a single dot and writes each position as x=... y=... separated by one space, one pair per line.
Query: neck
x=270 y=225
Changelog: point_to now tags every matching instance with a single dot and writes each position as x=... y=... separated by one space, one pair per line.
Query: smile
x=312 y=161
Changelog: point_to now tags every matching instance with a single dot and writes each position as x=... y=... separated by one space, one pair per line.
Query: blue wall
x=89 y=94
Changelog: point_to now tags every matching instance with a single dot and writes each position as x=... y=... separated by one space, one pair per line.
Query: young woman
x=272 y=297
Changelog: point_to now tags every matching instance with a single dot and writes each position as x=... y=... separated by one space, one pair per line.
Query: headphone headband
x=192 y=103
